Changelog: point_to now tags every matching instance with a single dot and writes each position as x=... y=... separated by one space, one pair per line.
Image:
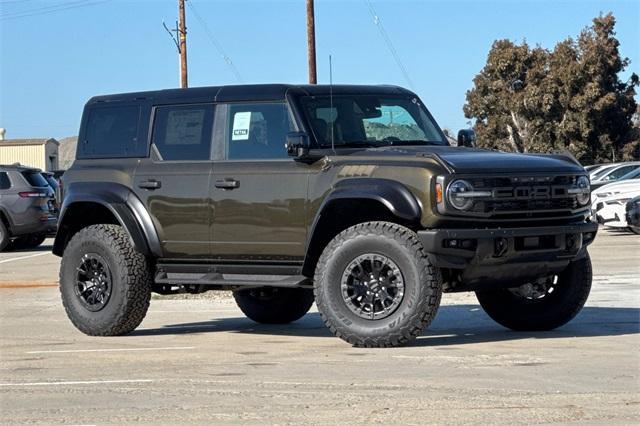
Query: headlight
x=456 y=194
x=582 y=190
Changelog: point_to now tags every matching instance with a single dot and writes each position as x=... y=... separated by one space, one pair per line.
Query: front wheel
x=548 y=303
x=105 y=284
x=375 y=286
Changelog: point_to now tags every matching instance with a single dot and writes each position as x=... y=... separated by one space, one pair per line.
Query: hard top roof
x=249 y=92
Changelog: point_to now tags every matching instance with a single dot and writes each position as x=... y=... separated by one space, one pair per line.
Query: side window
x=4 y=181
x=257 y=131
x=112 y=132
x=183 y=132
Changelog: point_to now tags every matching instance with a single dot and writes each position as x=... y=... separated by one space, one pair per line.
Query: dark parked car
x=351 y=194
x=633 y=215
x=27 y=207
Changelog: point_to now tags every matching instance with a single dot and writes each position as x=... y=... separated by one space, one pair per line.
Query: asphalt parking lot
x=198 y=360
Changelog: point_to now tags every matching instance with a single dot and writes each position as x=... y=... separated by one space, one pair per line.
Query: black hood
x=472 y=160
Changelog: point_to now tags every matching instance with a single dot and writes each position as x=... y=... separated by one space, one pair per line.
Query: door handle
x=227 y=184
x=150 y=184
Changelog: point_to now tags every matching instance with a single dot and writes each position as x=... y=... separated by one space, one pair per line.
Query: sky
x=56 y=54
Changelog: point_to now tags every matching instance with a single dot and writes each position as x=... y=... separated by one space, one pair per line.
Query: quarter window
x=257 y=131
x=4 y=181
x=112 y=132
x=183 y=132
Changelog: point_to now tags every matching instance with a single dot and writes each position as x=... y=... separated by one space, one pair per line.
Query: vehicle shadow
x=454 y=325
x=40 y=248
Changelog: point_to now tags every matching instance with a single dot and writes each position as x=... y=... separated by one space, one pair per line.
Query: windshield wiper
x=416 y=142
x=359 y=144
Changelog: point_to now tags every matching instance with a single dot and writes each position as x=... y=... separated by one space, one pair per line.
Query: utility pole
x=311 y=42
x=182 y=45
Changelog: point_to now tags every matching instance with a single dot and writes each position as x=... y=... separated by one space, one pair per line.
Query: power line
x=49 y=9
x=38 y=8
x=215 y=42
x=389 y=43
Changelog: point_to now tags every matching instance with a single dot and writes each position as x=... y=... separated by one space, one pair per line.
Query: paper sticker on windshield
x=241 y=124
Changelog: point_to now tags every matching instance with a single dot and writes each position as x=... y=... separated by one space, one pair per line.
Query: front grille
x=514 y=197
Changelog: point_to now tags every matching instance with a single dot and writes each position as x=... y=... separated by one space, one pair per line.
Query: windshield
x=370 y=120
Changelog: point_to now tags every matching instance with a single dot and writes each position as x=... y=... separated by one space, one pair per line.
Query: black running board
x=231 y=281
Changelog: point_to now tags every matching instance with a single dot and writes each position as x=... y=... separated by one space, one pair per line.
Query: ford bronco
x=349 y=196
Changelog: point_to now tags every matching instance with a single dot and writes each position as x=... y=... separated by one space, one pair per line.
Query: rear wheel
x=105 y=284
x=274 y=305
x=4 y=236
x=548 y=303
x=375 y=286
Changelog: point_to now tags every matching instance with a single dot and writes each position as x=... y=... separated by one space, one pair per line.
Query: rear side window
x=112 y=132
x=5 y=183
x=183 y=132
x=35 y=179
x=257 y=131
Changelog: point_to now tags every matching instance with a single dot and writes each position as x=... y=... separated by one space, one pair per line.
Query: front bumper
x=506 y=255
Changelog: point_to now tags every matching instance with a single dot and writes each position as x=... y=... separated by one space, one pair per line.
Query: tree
x=535 y=100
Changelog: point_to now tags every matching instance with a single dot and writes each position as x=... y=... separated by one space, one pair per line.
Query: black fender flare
x=125 y=206
x=394 y=195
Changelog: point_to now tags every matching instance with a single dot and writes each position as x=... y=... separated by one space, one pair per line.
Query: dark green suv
x=349 y=196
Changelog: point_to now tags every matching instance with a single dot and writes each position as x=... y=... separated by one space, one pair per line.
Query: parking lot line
x=22 y=285
x=84 y=382
x=170 y=348
x=24 y=257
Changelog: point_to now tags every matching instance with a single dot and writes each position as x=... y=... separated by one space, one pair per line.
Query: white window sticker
x=241 y=124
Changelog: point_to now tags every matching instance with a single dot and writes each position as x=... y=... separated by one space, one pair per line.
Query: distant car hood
x=616 y=188
x=472 y=160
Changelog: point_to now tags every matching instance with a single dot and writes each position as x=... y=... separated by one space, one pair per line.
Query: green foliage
x=535 y=100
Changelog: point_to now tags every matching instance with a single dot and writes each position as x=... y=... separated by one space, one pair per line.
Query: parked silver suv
x=27 y=207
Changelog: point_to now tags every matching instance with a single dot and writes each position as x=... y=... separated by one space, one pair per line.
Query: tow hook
x=500 y=247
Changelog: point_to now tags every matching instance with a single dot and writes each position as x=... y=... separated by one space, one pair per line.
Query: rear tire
x=274 y=305
x=550 y=309
x=375 y=286
x=4 y=236
x=104 y=283
x=635 y=229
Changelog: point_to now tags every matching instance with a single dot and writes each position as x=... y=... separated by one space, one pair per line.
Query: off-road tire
x=554 y=310
x=5 y=239
x=422 y=285
x=131 y=281
x=28 y=241
x=271 y=305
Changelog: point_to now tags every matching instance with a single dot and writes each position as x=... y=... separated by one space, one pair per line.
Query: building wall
x=27 y=155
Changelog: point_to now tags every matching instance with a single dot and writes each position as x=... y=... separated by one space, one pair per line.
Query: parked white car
x=613 y=172
x=609 y=202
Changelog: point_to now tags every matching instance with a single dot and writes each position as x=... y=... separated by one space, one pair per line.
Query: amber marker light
x=438 y=193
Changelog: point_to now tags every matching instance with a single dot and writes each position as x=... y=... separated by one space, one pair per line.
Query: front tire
x=274 y=305
x=544 y=305
x=375 y=286
x=104 y=283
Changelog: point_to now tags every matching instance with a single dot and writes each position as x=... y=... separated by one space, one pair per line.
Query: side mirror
x=467 y=137
x=297 y=144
